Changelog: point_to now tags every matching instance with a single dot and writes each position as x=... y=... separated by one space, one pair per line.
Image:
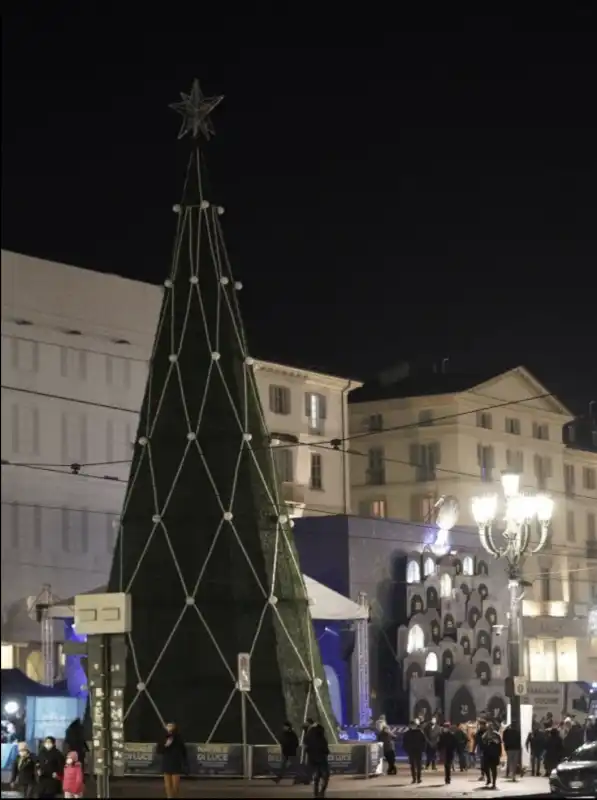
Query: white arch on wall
x=468 y=566
x=416 y=639
x=413 y=572
x=428 y=566
x=431 y=663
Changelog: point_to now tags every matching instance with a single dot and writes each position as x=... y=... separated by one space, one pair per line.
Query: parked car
x=576 y=776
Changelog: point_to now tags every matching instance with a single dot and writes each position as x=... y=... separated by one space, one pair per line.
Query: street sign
x=520 y=687
x=244 y=672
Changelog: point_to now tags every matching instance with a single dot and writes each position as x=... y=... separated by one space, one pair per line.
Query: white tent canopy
x=324 y=604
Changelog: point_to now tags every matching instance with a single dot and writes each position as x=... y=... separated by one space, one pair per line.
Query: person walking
x=74 y=739
x=491 y=744
x=316 y=746
x=24 y=772
x=513 y=748
x=389 y=754
x=554 y=750
x=461 y=746
x=414 y=744
x=432 y=734
x=447 y=746
x=173 y=751
x=289 y=744
x=73 y=782
x=535 y=745
x=50 y=769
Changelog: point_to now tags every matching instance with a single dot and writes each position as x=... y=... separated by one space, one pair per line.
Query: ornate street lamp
x=518 y=513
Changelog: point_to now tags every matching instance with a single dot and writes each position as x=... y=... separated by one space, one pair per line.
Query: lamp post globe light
x=516 y=515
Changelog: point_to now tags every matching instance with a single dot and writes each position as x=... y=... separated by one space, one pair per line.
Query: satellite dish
x=448 y=510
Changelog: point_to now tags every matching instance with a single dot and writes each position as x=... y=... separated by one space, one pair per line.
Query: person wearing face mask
x=173 y=751
x=50 y=768
x=23 y=772
x=73 y=782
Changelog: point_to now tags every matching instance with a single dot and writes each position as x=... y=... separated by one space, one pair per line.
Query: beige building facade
x=417 y=439
x=75 y=350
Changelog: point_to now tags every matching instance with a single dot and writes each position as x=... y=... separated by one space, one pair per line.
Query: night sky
x=392 y=192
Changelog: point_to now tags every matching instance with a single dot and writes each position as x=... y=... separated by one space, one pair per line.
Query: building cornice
x=318 y=378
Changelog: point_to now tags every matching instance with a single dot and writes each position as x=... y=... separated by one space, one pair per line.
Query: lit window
x=315 y=411
x=416 y=639
x=378 y=507
x=428 y=566
x=413 y=572
x=468 y=566
x=446 y=585
x=8 y=656
x=431 y=663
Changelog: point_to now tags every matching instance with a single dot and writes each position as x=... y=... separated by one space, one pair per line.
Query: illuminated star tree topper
x=195 y=110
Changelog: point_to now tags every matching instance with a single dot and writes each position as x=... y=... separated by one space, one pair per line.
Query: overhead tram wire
x=566 y=549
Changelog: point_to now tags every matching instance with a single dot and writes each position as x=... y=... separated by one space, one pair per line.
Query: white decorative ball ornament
x=247 y=437
x=204 y=204
x=143 y=440
x=215 y=356
x=168 y=283
x=273 y=601
x=172 y=358
x=282 y=519
x=224 y=280
x=141 y=687
x=249 y=361
x=238 y=285
x=317 y=683
x=220 y=210
x=176 y=208
x=191 y=436
x=228 y=516
x=156 y=518
x=190 y=601
x=194 y=280
x=291 y=523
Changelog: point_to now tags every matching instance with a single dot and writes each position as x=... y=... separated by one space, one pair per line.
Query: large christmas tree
x=205 y=546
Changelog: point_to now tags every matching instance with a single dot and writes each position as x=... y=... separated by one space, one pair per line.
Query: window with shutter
x=74 y=438
x=316 y=471
x=279 y=399
x=25 y=430
x=414 y=455
x=25 y=355
x=376 y=467
x=315 y=411
x=283 y=458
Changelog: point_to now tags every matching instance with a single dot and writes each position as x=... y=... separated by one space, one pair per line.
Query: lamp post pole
x=520 y=511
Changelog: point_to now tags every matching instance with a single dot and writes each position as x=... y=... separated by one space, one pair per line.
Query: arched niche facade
x=468 y=566
x=413 y=571
x=491 y=616
x=432 y=597
x=462 y=707
x=482 y=568
x=416 y=639
x=483 y=672
x=497 y=655
x=431 y=663
x=445 y=584
x=428 y=565
x=483 y=641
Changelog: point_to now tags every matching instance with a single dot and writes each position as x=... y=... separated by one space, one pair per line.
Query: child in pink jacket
x=73 y=781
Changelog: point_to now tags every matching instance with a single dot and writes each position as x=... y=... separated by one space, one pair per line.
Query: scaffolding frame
x=364 y=686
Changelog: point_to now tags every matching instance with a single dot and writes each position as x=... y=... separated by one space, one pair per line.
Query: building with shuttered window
x=75 y=349
x=424 y=435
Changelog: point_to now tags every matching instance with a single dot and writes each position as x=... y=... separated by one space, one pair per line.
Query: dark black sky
x=394 y=187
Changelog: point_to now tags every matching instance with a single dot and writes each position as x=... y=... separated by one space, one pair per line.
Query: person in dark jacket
x=447 y=746
x=491 y=745
x=535 y=745
x=554 y=750
x=24 y=777
x=479 y=733
x=317 y=749
x=513 y=748
x=414 y=744
x=50 y=769
x=173 y=751
x=74 y=739
x=574 y=738
x=387 y=740
x=289 y=744
x=306 y=776
x=591 y=730
x=461 y=745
